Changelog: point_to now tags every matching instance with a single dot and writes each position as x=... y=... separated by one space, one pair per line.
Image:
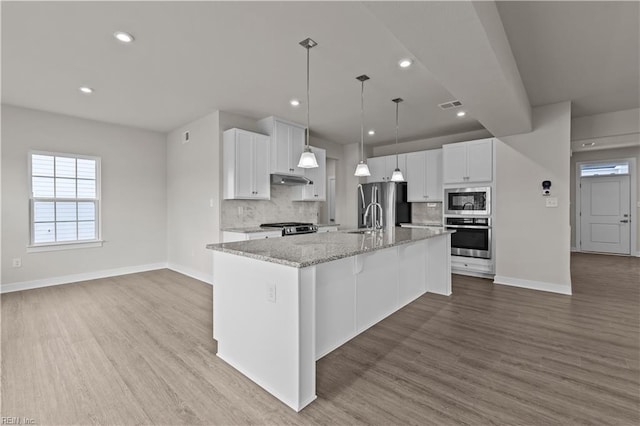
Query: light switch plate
x=551 y=202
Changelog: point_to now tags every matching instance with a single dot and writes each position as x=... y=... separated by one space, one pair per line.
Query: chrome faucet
x=374 y=207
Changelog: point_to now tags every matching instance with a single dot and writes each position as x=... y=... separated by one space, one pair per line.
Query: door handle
x=624 y=221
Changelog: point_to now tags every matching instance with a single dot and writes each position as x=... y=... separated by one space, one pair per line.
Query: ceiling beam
x=464 y=46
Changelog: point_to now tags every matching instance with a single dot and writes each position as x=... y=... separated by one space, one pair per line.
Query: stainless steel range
x=292 y=228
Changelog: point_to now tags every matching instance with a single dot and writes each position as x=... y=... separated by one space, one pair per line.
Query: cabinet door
x=454 y=163
x=296 y=146
x=415 y=176
x=317 y=190
x=280 y=148
x=480 y=161
x=391 y=165
x=262 y=179
x=320 y=175
x=244 y=165
x=433 y=175
x=377 y=167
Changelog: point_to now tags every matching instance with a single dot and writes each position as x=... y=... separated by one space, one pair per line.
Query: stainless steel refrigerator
x=392 y=198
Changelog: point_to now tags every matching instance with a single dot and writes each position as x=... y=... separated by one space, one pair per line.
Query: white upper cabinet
x=467 y=162
x=245 y=171
x=287 y=144
x=424 y=176
x=381 y=168
x=316 y=191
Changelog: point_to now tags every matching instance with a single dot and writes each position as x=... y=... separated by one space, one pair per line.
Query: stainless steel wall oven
x=472 y=237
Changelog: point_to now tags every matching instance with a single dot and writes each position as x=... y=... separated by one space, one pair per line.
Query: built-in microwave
x=467 y=201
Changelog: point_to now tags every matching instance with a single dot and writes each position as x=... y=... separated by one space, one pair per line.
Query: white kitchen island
x=281 y=304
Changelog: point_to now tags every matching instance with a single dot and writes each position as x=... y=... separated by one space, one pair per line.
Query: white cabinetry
x=381 y=168
x=424 y=176
x=287 y=144
x=245 y=173
x=466 y=162
x=230 y=236
x=316 y=191
x=322 y=229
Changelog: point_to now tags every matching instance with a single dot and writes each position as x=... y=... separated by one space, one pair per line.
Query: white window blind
x=64 y=198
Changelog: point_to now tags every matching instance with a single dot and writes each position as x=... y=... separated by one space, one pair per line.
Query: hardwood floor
x=138 y=349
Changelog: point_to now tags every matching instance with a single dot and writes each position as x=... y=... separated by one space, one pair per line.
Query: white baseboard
x=638 y=254
x=574 y=249
x=190 y=272
x=74 y=278
x=532 y=285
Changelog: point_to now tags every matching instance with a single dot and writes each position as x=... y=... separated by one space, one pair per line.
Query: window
x=605 y=169
x=65 y=196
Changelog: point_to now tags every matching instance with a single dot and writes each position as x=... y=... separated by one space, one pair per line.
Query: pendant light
x=397 y=174
x=308 y=158
x=362 y=169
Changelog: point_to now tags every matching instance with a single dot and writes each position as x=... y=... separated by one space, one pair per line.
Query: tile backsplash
x=426 y=212
x=280 y=208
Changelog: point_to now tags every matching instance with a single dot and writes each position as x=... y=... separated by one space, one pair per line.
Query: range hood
x=282 y=179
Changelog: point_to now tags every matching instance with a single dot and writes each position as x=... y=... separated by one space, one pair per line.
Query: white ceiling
x=191 y=58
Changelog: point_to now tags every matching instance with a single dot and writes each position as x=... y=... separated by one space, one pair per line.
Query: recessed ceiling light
x=589 y=144
x=461 y=113
x=294 y=102
x=372 y=132
x=86 y=90
x=405 y=63
x=123 y=37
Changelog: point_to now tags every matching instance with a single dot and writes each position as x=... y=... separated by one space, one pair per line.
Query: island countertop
x=301 y=251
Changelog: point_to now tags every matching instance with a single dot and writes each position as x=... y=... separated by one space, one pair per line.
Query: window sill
x=64 y=246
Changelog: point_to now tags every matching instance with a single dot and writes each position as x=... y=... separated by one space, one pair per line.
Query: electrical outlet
x=17 y=262
x=240 y=210
x=551 y=202
x=271 y=292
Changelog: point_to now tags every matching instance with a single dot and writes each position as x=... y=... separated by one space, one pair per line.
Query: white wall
x=607 y=124
x=193 y=197
x=532 y=241
x=429 y=143
x=133 y=196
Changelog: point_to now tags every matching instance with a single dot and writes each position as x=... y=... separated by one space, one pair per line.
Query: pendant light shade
x=362 y=169
x=308 y=158
x=397 y=174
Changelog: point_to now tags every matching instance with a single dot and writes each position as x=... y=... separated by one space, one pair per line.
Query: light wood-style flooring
x=138 y=349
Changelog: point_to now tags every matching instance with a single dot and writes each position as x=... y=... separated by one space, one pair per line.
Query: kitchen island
x=280 y=304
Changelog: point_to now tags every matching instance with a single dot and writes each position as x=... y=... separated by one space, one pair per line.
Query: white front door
x=604 y=222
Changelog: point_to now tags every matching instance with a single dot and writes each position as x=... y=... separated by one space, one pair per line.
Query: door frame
x=633 y=200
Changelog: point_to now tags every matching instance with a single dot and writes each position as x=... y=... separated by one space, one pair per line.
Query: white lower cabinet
x=354 y=293
x=335 y=300
x=376 y=287
x=472 y=266
x=230 y=237
x=322 y=229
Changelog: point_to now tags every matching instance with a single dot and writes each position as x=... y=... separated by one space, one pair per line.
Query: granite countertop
x=301 y=251
x=255 y=229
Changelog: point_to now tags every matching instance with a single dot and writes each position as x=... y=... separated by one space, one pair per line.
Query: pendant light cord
x=397 y=104
x=308 y=97
x=362 y=122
